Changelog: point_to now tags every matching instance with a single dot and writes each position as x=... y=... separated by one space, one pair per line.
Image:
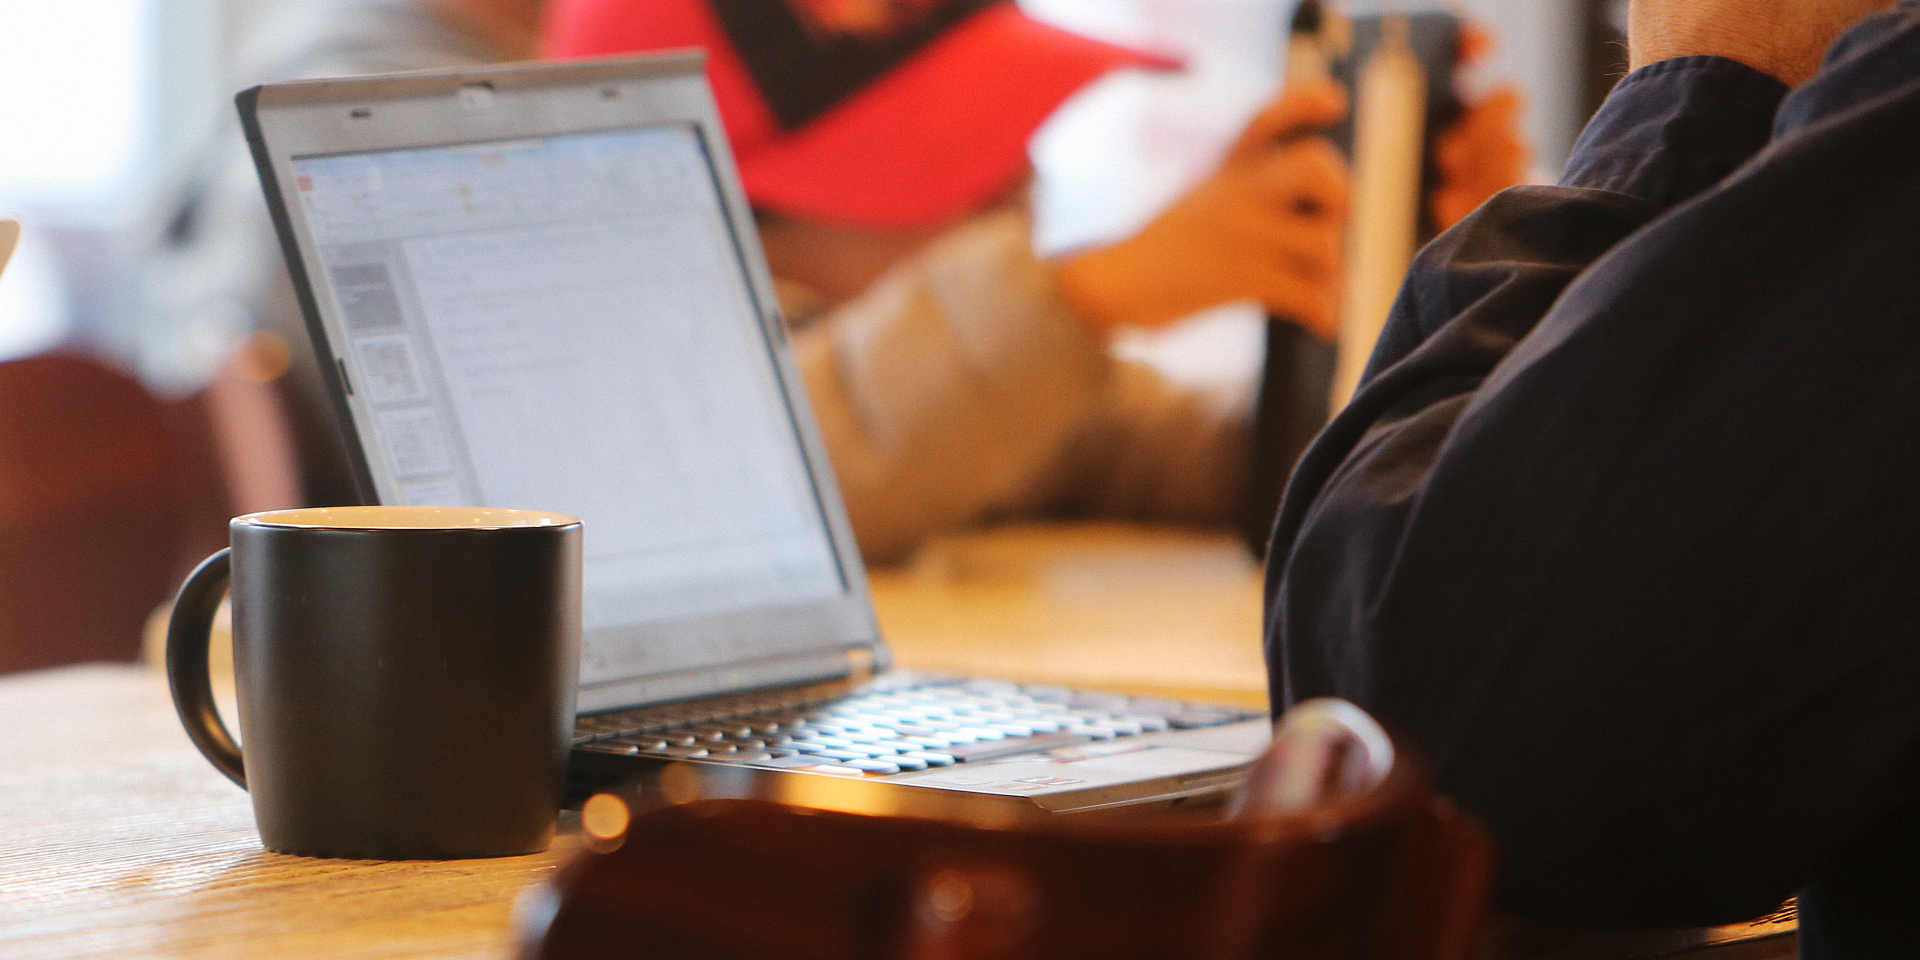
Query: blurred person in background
x=215 y=274
x=957 y=375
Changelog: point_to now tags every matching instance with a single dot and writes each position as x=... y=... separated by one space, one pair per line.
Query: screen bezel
x=439 y=108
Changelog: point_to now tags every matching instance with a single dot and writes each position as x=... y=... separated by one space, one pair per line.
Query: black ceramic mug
x=406 y=676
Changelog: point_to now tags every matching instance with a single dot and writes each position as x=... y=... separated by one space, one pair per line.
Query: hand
x=1481 y=153
x=1782 y=38
x=1266 y=225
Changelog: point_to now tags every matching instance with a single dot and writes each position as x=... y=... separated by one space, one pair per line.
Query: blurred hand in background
x=1269 y=223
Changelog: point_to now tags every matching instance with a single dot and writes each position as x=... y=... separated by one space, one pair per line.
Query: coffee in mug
x=405 y=675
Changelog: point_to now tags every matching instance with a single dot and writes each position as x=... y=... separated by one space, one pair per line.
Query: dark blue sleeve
x=1624 y=527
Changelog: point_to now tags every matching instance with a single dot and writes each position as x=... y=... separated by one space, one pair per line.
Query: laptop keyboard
x=893 y=725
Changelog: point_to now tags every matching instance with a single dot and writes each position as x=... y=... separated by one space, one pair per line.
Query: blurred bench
x=109 y=494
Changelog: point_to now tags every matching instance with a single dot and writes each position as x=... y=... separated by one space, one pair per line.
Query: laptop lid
x=539 y=286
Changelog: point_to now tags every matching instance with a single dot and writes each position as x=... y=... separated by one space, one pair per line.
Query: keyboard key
x=991 y=688
x=640 y=742
x=677 y=753
x=930 y=758
x=1156 y=705
x=795 y=762
x=1048 y=694
x=880 y=767
x=844 y=756
x=1103 y=702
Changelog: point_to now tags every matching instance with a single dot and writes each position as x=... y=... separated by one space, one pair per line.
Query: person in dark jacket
x=1623 y=528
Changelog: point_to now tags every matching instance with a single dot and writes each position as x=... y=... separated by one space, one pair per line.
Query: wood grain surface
x=1160 y=611
x=120 y=841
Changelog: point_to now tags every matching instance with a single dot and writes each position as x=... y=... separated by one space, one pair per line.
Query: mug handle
x=189 y=633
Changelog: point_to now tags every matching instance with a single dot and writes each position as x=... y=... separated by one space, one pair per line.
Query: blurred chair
x=109 y=495
x=1338 y=848
x=89 y=511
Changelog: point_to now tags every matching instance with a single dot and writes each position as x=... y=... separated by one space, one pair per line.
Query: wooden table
x=1168 y=612
x=121 y=841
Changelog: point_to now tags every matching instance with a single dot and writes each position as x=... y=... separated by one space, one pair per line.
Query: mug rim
x=396 y=517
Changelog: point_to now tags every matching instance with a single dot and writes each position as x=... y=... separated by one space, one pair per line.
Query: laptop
x=539 y=286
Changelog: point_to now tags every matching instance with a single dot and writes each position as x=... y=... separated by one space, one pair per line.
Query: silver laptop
x=539 y=286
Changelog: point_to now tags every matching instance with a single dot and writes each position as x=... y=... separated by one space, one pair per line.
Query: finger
x=1312 y=305
x=1309 y=255
x=1501 y=107
x=1452 y=206
x=1479 y=157
x=1471 y=43
x=1485 y=140
x=1308 y=173
x=1297 y=111
x=1308 y=249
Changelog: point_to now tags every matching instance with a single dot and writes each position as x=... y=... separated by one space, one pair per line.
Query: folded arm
x=1613 y=529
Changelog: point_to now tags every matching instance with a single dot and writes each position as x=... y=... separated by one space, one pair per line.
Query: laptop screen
x=564 y=323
